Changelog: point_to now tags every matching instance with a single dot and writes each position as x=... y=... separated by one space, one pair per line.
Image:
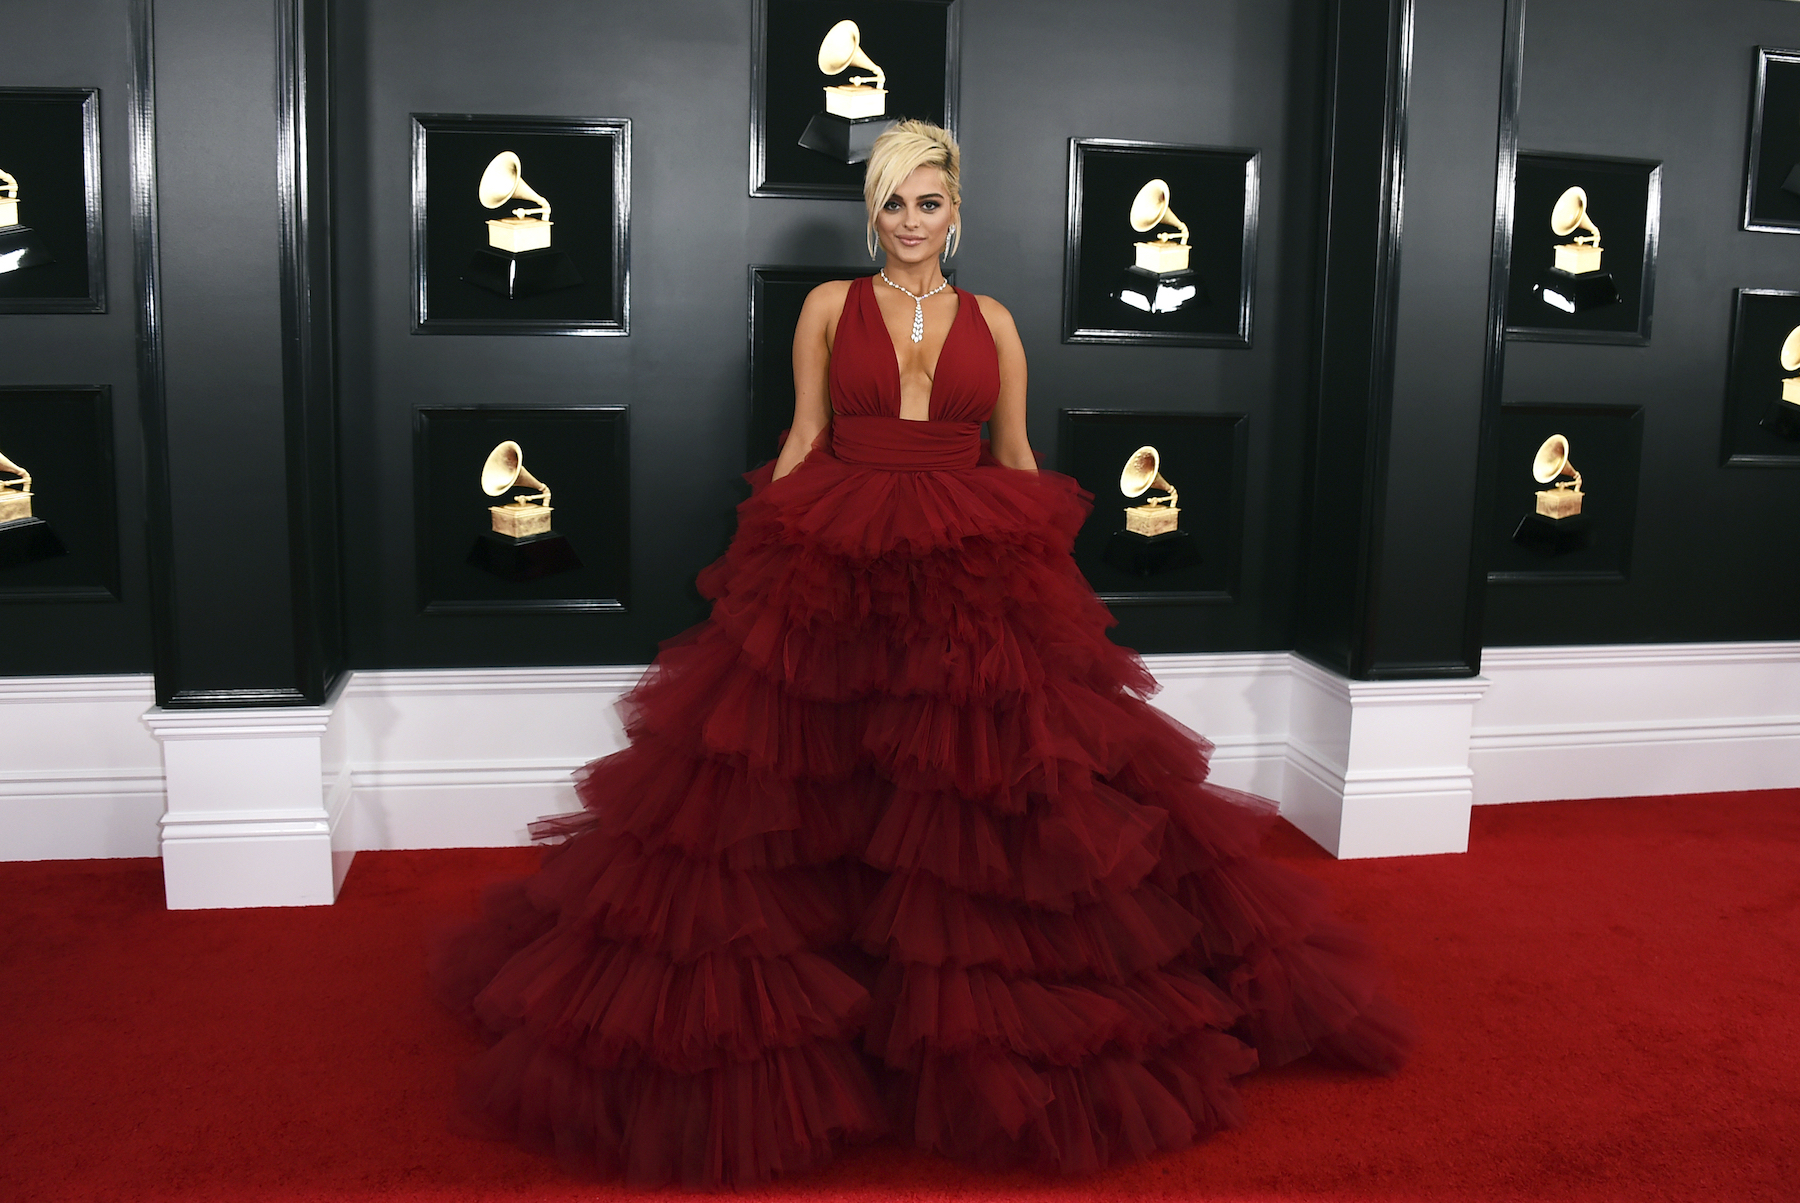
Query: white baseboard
x=467 y=758
x=1630 y=721
x=80 y=775
x=256 y=805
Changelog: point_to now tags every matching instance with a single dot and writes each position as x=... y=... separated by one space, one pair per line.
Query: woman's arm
x=1006 y=427
x=812 y=360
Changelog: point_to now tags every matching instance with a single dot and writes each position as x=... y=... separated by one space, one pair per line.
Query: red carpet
x=1609 y=991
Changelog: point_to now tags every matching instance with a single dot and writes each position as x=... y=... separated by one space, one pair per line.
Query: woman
x=897 y=845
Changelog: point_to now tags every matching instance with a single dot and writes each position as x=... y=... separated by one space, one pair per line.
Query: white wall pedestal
x=256 y=803
x=1380 y=768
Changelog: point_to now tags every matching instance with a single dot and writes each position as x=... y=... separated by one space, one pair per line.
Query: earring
x=949 y=237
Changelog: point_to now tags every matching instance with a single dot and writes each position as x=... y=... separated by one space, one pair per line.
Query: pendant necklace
x=918 y=330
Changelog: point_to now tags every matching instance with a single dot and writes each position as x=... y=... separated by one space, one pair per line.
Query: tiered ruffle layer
x=898 y=845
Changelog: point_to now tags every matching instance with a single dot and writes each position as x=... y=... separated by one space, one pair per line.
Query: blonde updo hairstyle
x=901 y=150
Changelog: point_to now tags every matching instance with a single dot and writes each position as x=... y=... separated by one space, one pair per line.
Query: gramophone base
x=1552 y=536
x=26 y=540
x=1572 y=294
x=1159 y=292
x=21 y=246
x=1560 y=503
x=1792 y=183
x=846 y=139
x=524 y=274
x=1782 y=420
x=523 y=559
x=1149 y=555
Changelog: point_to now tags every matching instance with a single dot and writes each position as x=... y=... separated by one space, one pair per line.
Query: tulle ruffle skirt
x=898 y=847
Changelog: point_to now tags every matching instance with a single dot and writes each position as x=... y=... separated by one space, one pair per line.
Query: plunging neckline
x=894 y=353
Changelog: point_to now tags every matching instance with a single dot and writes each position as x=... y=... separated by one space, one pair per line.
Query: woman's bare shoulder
x=998 y=317
x=829 y=295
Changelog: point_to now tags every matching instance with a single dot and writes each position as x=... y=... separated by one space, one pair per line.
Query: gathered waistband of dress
x=903 y=445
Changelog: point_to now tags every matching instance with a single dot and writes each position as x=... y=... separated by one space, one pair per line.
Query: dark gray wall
x=1035 y=73
x=251 y=583
x=1716 y=552
x=85 y=43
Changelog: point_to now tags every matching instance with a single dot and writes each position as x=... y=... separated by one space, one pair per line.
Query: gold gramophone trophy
x=518 y=260
x=1151 y=541
x=15 y=495
x=1159 y=281
x=521 y=546
x=1158 y=515
x=1783 y=417
x=1557 y=525
x=24 y=537
x=855 y=112
x=20 y=245
x=525 y=515
x=1563 y=498
x=1575 y=281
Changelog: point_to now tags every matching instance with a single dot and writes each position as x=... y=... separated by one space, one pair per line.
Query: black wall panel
x=1034 y=73
x=1716 y=555
x=84 y=43
x=1441 y=328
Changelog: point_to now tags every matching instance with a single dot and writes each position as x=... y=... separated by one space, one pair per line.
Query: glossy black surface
x=85 y=44
x=677 y=70
x=1712 y=556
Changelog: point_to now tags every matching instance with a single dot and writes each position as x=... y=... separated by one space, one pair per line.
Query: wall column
x=236 y=365
x=1409 y=355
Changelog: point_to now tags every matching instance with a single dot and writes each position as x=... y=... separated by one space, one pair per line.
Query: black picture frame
x=1203 y=456
x=1606 y=444
x=1625 y=201
x=50 y=141
x=582 y=452
x=1759 y=429
x=63 y=436
x=916 y=42
x=1215 y=190
x=777 y=294
x=1773 y=158
x=582 y=164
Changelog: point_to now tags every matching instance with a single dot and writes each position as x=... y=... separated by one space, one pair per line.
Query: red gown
x=898 y=847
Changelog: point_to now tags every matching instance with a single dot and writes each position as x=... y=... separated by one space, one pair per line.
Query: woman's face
x=914 y=223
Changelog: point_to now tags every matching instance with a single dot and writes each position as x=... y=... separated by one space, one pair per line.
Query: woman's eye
x=929 y=206
x=892 y=206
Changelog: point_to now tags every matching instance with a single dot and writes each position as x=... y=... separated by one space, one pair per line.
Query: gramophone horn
x=1570 y=214
x=1790 y=351
x=1552 y=461
x=505 y=467
x=7 y=465
x=1151 y=209
x=842 y=49
x=501 y=182
x=1141 y=473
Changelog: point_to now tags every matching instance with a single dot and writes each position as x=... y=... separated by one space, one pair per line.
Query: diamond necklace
x=918 y=330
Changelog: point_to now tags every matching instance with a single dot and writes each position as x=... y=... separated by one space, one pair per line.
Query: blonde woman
x=898 y=845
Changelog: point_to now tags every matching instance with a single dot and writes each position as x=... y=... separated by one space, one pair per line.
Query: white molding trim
x=1631 y=721
x=138 y=687
x=292 y=847
x=80 y=777
x=420 y=759
x=1380 y=768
